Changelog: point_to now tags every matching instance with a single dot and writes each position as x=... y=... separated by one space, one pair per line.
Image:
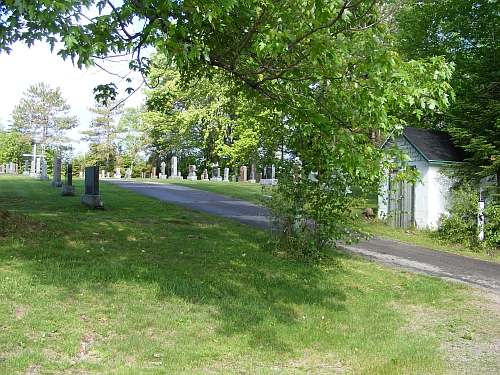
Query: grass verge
x=150 y=287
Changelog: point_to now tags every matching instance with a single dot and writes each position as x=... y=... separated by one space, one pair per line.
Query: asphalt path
x=470 y=271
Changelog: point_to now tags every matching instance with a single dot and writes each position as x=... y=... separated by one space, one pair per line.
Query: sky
x=29 y=66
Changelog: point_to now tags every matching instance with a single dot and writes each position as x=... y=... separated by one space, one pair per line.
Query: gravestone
x=192 y=173
x=68 y=190
x=2 y=170
x=163 y=173
x=252 y=173
x=26 y=171
x=268 y=176
x=174 y=173
x=103 y=173
x=117 y=173
x=13 y=168
x=91 y=197
x=204 y=175
x=243 y=173
x=35 y=163
x=56 y=179
x=128 y=173
x=143 y=174
x=80 y=174
x=216 y=174
x=44 y=176
x=226 y=175
x=153 y=172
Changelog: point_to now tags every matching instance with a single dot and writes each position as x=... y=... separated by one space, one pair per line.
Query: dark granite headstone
x=92 y=180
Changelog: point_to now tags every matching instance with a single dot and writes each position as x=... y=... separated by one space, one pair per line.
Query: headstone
x=258 y=177
x=68 y=190
x=2 y=169
x=268 y=176
x=252 y=172
x=80 y=174
x=13 y=169
x=192 y=173
x=226 y=175
x=91 y=197
x=117 y=173
x=108 y=174
x=233 y=178
x=44 y=176
x=35 y=163
x=243 y=173
x=143 y=174
x=56 y=179
x=26 y=171
x=163 y=165
x=216 y=174
x=103 y=173
x=128 y=173
x=174 y=173
x=7 y=168
x=204 y=175
x=33 y=169
x=153 y=172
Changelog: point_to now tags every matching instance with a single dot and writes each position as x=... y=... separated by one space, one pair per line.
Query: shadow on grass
x=180 y=254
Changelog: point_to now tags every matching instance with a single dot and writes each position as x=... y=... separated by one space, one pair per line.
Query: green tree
x=103 y=135
x=210 y=117
x=13 y=145
x=134 y=142
x=42 y=115
x=467 y=32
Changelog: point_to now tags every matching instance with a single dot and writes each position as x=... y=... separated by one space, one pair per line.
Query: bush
x=460 y=226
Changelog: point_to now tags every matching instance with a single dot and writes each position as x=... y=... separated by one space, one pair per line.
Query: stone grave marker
x=243 y=173
x=26 y=171
x=204 y=175
x=174 y=173
x=216 y=174
x=128 y=173
x=56 y=179
x=192 y=173
x=253 y=170
x=226 y=175
x=44 y=176
x=163 y=173
x=268 y=176
x=68 y=190
x=91 y=197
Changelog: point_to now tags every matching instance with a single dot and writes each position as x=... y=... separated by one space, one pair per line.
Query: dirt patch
x=17 y=224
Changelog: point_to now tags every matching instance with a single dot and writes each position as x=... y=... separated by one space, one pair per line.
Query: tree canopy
x=42 y=115
x=467 y=32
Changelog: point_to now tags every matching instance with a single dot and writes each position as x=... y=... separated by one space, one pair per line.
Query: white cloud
x=28 y=66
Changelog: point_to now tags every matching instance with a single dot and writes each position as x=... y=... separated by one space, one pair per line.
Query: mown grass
x=150 y=287
x=245 y=191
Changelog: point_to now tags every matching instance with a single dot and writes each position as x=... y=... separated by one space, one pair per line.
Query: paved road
x=474 y=272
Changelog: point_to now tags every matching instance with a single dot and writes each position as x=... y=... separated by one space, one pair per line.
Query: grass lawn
x=146 y=287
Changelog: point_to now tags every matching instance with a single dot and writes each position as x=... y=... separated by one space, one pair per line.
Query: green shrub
x=460 y=225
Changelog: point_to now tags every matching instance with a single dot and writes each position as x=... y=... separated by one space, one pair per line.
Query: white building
x=422 y=203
